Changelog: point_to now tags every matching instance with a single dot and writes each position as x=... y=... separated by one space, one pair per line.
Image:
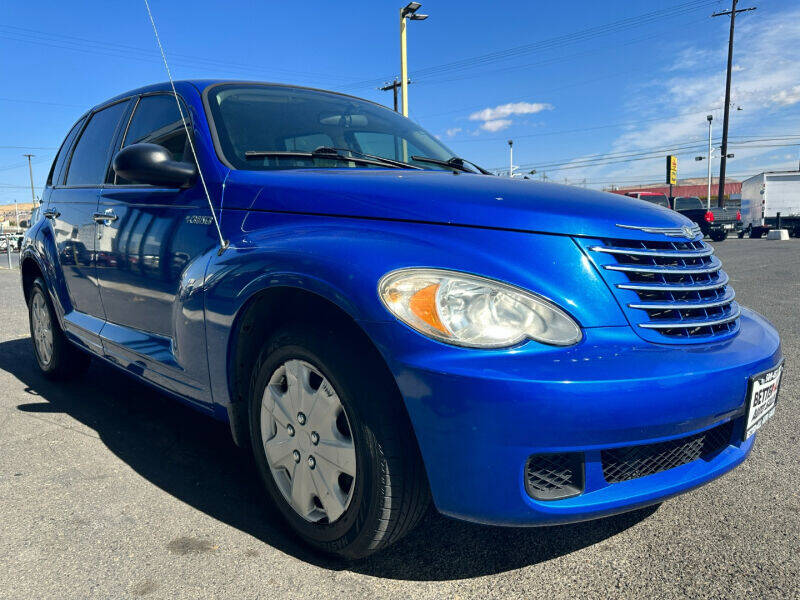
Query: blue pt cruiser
x=384 y=323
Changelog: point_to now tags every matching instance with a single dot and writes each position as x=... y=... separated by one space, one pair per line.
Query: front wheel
x=333 y=444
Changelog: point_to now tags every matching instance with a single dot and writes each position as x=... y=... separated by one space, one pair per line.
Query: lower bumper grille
x=554 y=476
x=622 y=464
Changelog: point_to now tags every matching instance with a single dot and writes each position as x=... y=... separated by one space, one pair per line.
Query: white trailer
x=767 y=195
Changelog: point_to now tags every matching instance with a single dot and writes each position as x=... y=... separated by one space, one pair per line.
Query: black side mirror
x=152 y=164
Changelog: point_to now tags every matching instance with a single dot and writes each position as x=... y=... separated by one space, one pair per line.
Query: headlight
x=473 y=311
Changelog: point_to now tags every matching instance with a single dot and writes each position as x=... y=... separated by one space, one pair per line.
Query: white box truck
x=765 y=196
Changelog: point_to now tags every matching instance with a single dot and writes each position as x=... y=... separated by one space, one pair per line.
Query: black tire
x=391 y=491
x=719 y=236
x=66 y=361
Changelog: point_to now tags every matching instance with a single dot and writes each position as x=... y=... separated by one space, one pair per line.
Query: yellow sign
x=672 y=169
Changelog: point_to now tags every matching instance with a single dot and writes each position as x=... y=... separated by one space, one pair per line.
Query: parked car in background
x=653 y=197
x=715 y=222
x=381 y=324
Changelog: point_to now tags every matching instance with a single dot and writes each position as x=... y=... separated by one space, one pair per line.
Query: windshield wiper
x=389 y=161
x=454 y=162
x=328 y=153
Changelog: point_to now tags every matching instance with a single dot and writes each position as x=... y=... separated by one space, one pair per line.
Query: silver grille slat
x=684 y=304
x=672 y=287
x=654 y=253
x=698 y=270
x=690 y=323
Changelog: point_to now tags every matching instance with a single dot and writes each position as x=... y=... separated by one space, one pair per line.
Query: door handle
x=51 y=213
x=104 y=217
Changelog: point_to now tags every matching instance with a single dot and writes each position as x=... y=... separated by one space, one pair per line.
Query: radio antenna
x=222 y=243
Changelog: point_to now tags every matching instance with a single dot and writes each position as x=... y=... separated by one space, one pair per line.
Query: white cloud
x=787 y=97
x=506 y=110
x=765 y=85
x=497 y=118
x=453 y=131
x=496 y=124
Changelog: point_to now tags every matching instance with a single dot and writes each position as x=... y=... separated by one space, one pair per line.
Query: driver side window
x=157 y=120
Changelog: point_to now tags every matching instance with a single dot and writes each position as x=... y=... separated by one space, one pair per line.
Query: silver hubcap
x=42 y=329
x=308 y=442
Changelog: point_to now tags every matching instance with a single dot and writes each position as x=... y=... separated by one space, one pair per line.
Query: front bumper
x=479 y=415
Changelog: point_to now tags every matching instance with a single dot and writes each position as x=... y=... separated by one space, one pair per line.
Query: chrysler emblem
x=687 y=231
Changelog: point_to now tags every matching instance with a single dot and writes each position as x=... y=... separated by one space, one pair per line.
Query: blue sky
x=569 y=82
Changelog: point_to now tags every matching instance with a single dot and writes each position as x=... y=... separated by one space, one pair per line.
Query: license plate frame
x=763 y=388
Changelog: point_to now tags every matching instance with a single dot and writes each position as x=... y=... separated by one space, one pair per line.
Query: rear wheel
x=719 y=236
x=55 y=356
x=332 y=444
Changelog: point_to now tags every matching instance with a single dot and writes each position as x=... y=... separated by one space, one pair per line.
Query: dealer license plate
x=762 y=398
x=728 y=226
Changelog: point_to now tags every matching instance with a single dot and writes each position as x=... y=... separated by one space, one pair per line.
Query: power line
x=582 y=129
x=117 y=50
x=688 y=148
x=28 y=101
x=433 y=80
x=547 y=44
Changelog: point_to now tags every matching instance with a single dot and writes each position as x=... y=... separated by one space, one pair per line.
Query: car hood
x=450 y=199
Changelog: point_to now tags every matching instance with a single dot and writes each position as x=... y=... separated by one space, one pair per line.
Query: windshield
x=688 y=203
x=261 y=119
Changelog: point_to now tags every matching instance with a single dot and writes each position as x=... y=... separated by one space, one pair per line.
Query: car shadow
x=193 y=458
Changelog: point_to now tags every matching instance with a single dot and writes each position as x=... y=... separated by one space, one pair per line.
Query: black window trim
x=89 y=117
x=119 y=140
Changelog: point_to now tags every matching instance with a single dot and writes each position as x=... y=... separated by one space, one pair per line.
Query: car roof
x=203 y=84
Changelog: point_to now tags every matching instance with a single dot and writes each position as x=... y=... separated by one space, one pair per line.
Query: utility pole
x=708 y=193
x=30 y=172
x=723 y=154
x=409 y=11
x=394 y=86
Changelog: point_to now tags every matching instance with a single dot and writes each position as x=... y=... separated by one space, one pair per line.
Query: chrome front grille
x=670 y=290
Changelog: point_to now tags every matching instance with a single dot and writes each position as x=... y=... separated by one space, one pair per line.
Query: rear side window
x=88 y=163
x=661 y=200
x=688 y=203
x=54 y=178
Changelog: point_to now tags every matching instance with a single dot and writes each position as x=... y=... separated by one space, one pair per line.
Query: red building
x=687 y=187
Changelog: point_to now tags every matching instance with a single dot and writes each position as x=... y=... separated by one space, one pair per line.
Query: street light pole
x=708 y=193
x=30 y=172
x=511 y=158
x=409 y=11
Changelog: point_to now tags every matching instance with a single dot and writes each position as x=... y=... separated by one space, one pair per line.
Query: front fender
x=342 y=259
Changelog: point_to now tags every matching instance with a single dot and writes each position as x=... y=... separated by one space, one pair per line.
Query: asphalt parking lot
x=110 y=490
